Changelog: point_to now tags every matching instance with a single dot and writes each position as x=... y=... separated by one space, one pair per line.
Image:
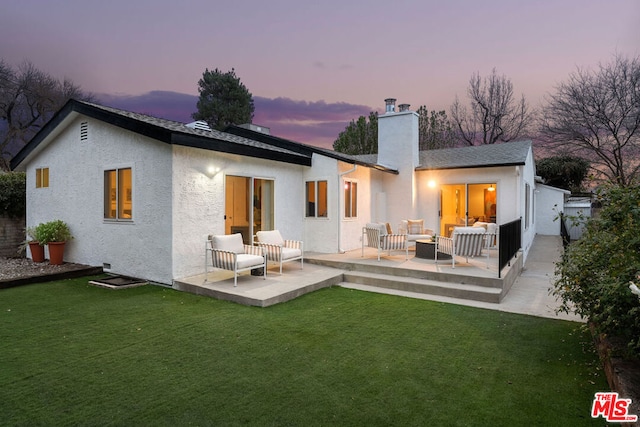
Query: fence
x=11 y=236
x=510 y=242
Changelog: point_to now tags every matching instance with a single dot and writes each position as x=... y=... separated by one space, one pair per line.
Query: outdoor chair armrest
x=253 y=250
x=294 y=244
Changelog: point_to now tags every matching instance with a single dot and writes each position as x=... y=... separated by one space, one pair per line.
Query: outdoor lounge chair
x=464 y=241
x=376 y=236
x=228 y=252
x=279 y=250
x=415 y=230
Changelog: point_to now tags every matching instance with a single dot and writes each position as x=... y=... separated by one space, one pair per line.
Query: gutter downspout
x=340 y=175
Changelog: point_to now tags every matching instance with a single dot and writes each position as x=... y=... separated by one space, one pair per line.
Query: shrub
x=52 y=231
x=594 y=273
x=13 y=189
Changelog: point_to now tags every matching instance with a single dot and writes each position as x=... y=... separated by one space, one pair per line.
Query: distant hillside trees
x=28 y=99
x=224 y=100
x=596 y=115
x=493 y=114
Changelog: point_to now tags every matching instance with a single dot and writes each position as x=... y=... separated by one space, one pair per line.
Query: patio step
x=426 y=286
x=458 y=276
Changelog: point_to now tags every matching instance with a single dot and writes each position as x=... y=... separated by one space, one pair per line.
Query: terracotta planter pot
x=56 y=252
x=37 y=252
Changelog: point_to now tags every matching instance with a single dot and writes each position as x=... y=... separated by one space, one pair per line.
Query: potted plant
x=54 y=234
x=36 y=249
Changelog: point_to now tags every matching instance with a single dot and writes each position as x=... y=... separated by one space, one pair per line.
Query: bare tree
x=28 y=99
x=493 y=115
x=596 y=115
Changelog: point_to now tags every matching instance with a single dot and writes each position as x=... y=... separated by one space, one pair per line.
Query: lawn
x=74 y=354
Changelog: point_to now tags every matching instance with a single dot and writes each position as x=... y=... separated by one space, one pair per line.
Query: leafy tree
x=224 y=100
x=563 y=172
x=359 y=137
x=596 y=115
x=435 y=129
x=594 y=273
x=28 y=99
x=13 y=191
x=493 y=114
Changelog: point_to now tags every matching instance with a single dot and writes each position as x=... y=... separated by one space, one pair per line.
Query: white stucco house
x=141 y=194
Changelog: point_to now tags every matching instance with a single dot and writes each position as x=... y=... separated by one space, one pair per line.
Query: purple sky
x=313 y=66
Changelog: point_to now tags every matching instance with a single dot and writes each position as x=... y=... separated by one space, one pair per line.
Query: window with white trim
x=316 y=199
x=118 y=194
x=350 y=199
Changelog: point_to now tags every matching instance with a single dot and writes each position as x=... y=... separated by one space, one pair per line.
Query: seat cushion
x=288 y=253
x=271 y=237
x=414 y=237
x=231 y=243
x=247 y=260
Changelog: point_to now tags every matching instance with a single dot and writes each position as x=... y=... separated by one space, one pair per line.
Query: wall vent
x=84 y=131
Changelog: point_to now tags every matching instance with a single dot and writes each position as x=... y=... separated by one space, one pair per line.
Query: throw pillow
x=414 y=226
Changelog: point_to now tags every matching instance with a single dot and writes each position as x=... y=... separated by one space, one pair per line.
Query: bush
x=52 y=231
x=594 y=273
x=13 y=194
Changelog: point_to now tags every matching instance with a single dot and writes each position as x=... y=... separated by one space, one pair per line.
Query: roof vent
x=404 y=107
x=199 y=125
x=390 y=105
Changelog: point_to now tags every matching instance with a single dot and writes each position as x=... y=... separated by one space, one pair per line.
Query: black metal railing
x=509 y=242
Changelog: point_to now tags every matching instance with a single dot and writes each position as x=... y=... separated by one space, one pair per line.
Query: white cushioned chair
x=375 y=235
x=464 y=241
x=228 y=252
x=279 y=250
x=491 y=238
x=415 y=230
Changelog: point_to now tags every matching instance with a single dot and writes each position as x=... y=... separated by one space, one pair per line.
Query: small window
x=118 y=195
x=527 y=204
x=42 y=177
x=316 y=199
x=84 y=131
x=350 y=199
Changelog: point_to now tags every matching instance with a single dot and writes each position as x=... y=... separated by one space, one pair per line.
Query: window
x=118 y=194
x=42 y=177
x=350 y=199
x=527 y=204
x=316 y=199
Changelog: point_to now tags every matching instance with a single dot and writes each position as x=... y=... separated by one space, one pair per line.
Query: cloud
x=310 y=122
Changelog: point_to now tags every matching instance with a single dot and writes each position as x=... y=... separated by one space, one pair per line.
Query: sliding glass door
x=464 y=204
x=249 y=206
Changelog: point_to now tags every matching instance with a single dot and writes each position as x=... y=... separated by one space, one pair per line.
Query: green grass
x=74 y=354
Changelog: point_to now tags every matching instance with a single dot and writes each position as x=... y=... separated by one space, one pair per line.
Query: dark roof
x=480 y=156
x=505 y=154
x=303 y=148
x=167 y=131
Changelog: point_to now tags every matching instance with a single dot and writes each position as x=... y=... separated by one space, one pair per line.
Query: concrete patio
x=469 y=284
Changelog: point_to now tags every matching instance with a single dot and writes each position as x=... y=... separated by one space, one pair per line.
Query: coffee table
x=426 y=249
